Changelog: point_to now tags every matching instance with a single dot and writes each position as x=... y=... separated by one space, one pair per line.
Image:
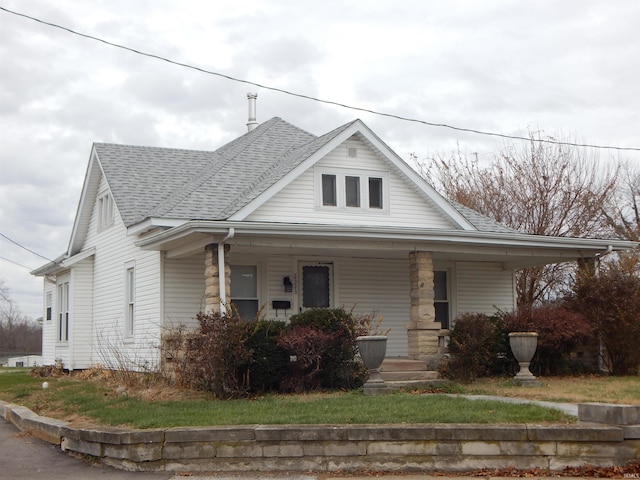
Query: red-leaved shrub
x=560 y=330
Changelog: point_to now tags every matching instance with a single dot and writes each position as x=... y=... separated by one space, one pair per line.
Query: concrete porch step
x=409 y=375
x=397 y=369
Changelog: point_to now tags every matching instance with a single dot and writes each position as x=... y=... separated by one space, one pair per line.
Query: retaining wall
x=422 y=447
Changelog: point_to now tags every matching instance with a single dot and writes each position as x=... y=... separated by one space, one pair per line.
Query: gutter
x=221 y=270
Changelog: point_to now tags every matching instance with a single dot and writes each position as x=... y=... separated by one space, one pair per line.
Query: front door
x=317 y=285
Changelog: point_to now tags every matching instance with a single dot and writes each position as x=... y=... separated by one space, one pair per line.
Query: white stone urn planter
x=524 y=345
x=373 y=349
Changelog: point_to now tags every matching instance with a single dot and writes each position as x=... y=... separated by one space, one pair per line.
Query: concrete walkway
x=568 y=408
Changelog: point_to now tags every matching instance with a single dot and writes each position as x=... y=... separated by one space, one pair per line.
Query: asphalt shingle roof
x=158 y=182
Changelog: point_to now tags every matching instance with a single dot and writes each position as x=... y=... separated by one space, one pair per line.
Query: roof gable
x=312 y=153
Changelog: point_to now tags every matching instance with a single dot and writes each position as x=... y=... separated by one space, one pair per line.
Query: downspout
x=221 y=271
x=600 y=255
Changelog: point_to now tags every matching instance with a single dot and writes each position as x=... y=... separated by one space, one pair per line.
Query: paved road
x=23 y=457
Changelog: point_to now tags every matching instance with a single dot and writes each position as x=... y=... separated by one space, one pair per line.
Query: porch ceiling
x=514 y=250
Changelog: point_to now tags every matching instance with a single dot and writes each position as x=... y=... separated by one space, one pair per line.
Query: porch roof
x=513 y=248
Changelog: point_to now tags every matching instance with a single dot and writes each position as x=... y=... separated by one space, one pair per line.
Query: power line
x=328 y=102
x=16 y=263
x=22 y=246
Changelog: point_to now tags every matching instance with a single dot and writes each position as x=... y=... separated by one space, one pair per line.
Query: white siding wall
x=280 y=266
x=113 y=250
x=484 y=288
x=49 y=326
x=381 y=286
x=183 y=290
x=81 y=326
x=296 y=202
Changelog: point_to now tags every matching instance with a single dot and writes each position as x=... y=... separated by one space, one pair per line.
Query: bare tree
x=538 y=188
x=18 y=334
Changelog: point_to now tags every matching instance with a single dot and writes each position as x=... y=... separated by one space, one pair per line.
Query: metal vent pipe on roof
x=252 y=111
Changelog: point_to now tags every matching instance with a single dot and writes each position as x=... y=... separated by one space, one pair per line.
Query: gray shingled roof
x=156 y=182
x=200 y=185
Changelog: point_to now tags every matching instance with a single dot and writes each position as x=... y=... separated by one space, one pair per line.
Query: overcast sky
x=570 y=69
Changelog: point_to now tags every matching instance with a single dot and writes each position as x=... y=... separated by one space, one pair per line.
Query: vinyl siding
x=49 y=326
x=80 y=335
x=382 y=286
x=484 y=287
x=278 y=267
x=113 y=250
x=183 y=291
x=297 y=201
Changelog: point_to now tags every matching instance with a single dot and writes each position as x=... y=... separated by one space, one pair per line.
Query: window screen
x=352 y=190
x=329 y=190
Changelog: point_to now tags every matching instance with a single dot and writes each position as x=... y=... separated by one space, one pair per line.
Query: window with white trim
x=351 y=189
x=441 y=297
x=329 y=190
x=244 y=290
x=130 y=299
x=105 y=211
x=63 y=312
x=49 y=306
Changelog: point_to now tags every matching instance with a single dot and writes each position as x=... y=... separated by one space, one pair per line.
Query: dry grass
x=581 y=389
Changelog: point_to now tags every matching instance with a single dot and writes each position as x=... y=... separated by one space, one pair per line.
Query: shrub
x=338 y=367
x=560 y=331
x=610 y=302
x=474 y=347
x=217 y=355
x=269 y=362
x=309 y=347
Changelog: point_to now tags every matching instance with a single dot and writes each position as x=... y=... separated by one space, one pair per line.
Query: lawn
x=89 y=400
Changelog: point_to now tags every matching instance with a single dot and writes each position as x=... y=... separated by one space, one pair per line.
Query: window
x=352 y=191
x=329 y=190
x=130 y=297
x=375 y=192
x=441 y=297
x=105 y=211
x=49 y=306
x=244 y=290
x=63 y=312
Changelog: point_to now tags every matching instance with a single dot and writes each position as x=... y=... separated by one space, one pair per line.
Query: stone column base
x=423 y=342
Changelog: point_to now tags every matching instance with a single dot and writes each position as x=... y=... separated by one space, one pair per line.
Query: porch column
x=422 y=331
x=212 y=278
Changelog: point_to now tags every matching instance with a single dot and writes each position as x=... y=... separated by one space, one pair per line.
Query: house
x=278 y=219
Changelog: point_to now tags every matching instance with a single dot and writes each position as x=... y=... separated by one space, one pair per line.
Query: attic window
x=352 y=151
x=329 y=190
x=105 y=211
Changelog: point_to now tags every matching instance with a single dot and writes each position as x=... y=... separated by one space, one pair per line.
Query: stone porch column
x=422 y=331
x=211 y=277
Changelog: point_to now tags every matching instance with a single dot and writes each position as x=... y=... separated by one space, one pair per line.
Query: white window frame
x=447 y=301
x=48 y=310
x=341 y=186
x=233 y=298
x=105 y=210
x=129 y=300
x=62 y=326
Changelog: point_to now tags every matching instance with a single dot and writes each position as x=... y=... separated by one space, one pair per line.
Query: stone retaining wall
x=423 y=447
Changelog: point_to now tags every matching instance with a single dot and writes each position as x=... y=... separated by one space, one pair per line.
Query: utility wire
x=16 y=263
x=328 y=102
x=22 y=246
